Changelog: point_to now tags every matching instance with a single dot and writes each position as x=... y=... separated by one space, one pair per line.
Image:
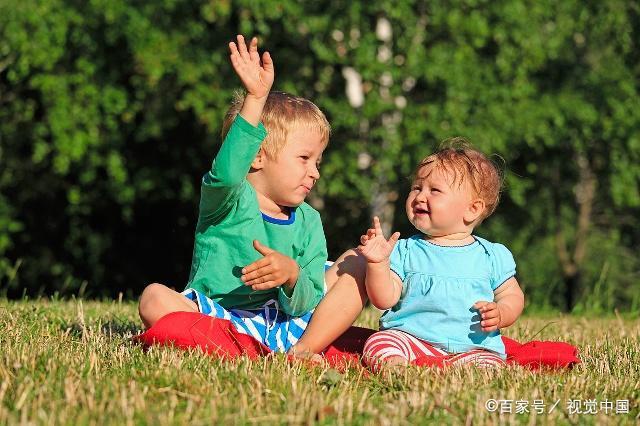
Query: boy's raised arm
x=243 y=140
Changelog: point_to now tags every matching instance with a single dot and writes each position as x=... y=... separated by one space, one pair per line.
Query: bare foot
x=299 y=352
x=392 y=363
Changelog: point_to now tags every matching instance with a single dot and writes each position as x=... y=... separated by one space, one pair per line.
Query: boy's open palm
x=374 y=246
x=273 y=270
x=256 y=77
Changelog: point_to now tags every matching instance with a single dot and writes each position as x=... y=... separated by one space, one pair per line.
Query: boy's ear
x=475 y=210
x=258 y=162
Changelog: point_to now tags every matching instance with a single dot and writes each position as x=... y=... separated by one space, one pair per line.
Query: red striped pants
x=395 y=343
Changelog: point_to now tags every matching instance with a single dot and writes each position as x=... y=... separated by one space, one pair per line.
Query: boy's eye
x=304 y=157
x=416 y=188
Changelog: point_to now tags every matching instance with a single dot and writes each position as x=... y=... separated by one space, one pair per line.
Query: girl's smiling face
x=439 y=204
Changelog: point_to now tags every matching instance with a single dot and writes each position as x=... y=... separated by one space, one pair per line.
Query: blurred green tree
x=110 y=111
x=550 y=87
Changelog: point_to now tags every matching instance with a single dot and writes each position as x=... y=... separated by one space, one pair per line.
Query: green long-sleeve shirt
x=230 y=219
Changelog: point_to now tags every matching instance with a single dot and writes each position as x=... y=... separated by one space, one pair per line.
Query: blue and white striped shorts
x=268 y=325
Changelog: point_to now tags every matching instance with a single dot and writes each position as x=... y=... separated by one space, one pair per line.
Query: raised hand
x=256 y=77
x=374 y=246
x=273 y=270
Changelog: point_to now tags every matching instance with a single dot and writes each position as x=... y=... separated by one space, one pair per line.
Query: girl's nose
x=421 y=196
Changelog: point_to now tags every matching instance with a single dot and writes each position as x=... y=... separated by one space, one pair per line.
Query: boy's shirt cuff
x=300 y=300
x=258 y=131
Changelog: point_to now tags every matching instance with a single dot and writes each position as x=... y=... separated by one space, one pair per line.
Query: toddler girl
x=447 y=292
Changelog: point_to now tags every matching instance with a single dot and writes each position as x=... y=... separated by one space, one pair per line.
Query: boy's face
x=288 y=179
x=436 y=205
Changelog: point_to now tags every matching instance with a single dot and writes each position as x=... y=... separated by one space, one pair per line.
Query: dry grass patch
x=71 y=362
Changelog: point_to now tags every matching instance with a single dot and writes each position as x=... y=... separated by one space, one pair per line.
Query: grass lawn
x=71 y=362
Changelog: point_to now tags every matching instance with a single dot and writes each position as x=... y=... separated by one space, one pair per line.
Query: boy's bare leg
x=345 y=299
x=158 y=300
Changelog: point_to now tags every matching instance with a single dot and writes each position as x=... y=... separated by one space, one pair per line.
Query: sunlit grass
x=69 y=362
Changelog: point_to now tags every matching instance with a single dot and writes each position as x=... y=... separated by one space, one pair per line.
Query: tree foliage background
x=110 y=113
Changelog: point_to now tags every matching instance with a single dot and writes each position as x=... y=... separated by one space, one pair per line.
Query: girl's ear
x=475 y=210
x=258 y=162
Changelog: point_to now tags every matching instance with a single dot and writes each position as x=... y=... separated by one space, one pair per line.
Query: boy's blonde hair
x=468 y=165
x=282 y=113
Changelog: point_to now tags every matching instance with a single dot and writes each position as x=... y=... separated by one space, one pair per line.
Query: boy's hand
x=374 y=246
x=257 y=78
x=490 y=315
x=273 y=270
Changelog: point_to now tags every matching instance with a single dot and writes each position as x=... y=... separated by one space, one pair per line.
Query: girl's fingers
x=490 y=307
x=394 y=238
x=489 y=325
x=376 y=225
x=491 y=314
x=480 y=304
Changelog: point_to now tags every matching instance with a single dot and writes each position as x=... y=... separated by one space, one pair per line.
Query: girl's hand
x=374 y=246
x=257 y=78
x=489 y=315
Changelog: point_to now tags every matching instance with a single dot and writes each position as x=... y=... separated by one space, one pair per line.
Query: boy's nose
x=314 y=172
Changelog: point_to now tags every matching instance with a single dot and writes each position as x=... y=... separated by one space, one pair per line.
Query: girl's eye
x=416 y=188
x=435 y=190
x=304 y=157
